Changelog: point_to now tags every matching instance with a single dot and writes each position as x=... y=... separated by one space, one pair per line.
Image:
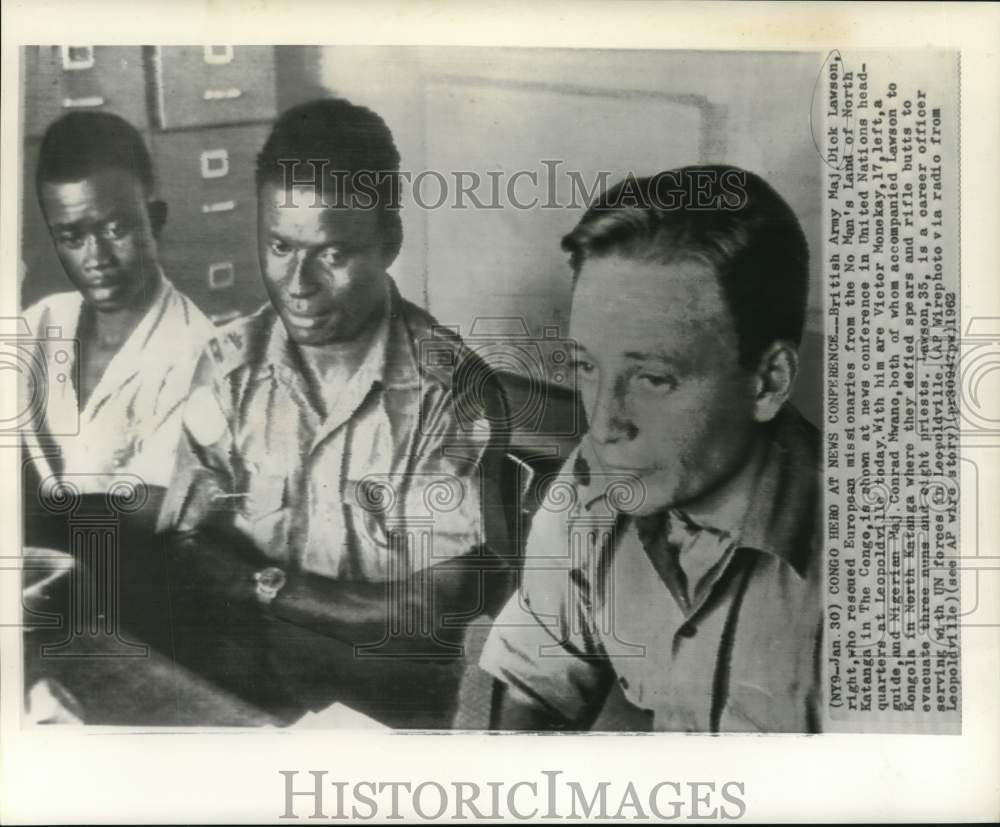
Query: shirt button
x=687 y=630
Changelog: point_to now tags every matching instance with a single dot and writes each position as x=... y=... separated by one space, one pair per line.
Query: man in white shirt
x=679 y=554
x=137 y=338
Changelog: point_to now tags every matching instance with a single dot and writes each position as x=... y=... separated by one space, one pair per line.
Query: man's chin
x=304 y=333
x=115 y=298
x=307 y=338
x=107 y=304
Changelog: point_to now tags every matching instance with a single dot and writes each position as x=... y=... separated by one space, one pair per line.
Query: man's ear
x=157 y=216
x=774 y=379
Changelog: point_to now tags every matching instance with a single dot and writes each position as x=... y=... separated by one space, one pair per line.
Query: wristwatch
x=269 y=582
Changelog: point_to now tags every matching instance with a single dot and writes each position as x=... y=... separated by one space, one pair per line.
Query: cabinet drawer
x=209 y=171
x=221 y=281
x=63 y=79
x=204 y=85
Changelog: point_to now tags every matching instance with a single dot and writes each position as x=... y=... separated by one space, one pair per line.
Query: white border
x=94 y=776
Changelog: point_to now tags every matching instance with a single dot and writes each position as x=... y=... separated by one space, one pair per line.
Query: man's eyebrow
x=285 y=239
x=63 y=226
x=342 y=244
x=639 y=356
x=106 y=218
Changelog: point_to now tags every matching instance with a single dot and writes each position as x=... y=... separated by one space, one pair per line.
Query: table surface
x=117 y=685
x=209 y=663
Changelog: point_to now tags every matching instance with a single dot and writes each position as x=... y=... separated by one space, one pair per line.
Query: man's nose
x=608 y=420
x=302 y=283
x=98 y=252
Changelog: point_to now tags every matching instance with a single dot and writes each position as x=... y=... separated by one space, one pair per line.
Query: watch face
x=270 y=580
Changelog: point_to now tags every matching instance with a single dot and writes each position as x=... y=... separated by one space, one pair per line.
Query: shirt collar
x=784 y=504
x=401 y=370
x=770 y=505
x=65 y=313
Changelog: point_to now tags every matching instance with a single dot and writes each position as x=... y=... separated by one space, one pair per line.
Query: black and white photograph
x=552 y=464
x=402 y=389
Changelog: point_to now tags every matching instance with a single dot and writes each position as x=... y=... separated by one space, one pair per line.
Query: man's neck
x=108 y=330
x=337 y=358
x=328 y=368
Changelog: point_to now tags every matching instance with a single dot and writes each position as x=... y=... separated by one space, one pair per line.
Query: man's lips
x=306 y=317
x=618 y=468
x=105 y=287
x=630 y=470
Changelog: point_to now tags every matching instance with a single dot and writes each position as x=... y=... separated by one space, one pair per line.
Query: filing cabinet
x=209 y=246
x=198 y=85
x=62 y=79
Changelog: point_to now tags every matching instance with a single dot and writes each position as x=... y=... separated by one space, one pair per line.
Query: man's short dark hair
x=355 y=150
x=722 y=216
x=80 y=144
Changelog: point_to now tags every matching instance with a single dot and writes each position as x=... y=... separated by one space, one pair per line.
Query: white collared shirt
x=131 y=422
x=593 y=607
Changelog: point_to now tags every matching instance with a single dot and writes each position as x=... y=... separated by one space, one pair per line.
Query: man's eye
x=71 y=240
x=657 y=382
x=582 y=366
x=279 y=248
x=115 y=231
x=334 y=257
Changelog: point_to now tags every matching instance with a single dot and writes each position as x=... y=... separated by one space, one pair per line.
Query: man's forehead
x=103 y=190
x=308 y=205
x=614 y=290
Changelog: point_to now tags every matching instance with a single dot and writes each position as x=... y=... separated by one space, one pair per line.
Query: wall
x=457 y=106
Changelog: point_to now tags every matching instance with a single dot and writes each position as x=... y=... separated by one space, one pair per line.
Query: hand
x=216 y=564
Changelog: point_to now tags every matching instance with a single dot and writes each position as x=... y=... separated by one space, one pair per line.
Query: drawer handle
x=83 y=103
x=75 y=58
x=219 y=206
x=218 y=55
x=214 y=163
x=221 y=275
x=222 y=94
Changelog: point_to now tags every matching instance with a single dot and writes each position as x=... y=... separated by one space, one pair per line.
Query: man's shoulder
x=59 y=309
x=234 y=346
x=441 y=355
x=798 y=513
x=187 y=313
x=800 y=444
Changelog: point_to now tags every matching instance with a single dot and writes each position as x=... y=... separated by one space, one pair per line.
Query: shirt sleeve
x=543 y=644
x=202 y=485
x=155 y=458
